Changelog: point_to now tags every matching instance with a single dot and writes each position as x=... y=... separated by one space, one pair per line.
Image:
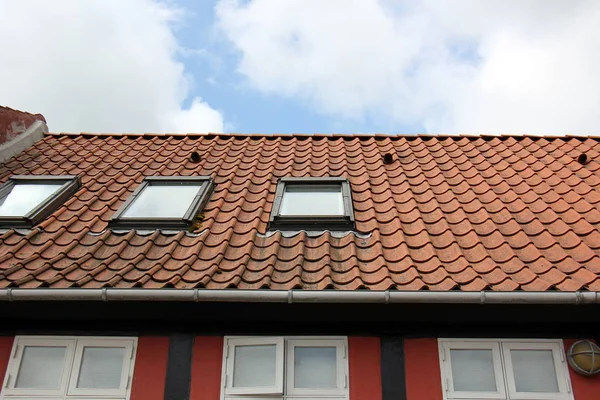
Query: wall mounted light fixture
x=584 y=357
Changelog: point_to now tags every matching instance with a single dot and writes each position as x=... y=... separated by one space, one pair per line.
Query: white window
x=285 y=368
x=504 y=369
x=69 y=368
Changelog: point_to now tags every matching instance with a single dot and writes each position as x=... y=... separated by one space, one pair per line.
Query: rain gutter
x=299 y=296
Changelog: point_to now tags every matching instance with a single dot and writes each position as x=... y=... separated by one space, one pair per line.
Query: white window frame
x=558 y=358
x=230 y=357
x=505 y=373
x=126 y=371
x=445 y=348
x=341 y=373
x=286 y=369
x=12 y=372
x=71 y=368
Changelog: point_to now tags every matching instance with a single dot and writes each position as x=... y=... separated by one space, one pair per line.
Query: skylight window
x=164 y=202
x=312 y=200
x=312 y=204
x=26 y=200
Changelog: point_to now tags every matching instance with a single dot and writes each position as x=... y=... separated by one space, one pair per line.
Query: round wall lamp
x=584 y=357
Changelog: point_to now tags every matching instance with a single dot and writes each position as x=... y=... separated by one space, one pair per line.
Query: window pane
x=101 y=368
x=254 y=366
x=534 y=371
x=25 y=197
x=315 y=367
x=312 y=200
x=163 y=201
x=473 y=370
x=41 y=367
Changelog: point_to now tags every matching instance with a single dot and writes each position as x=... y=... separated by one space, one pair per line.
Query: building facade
x=223 y=267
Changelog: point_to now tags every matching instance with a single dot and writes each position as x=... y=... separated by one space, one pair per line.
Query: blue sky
x=305 y=66
x=213 y=68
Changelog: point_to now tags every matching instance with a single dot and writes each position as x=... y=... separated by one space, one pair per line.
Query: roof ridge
x=331 y=135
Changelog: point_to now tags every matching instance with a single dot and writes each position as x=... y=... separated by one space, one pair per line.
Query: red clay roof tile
x=499 y=213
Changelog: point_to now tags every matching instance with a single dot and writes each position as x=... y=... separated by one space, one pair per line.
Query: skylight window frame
x=343 y=222
x=70 y=185
x=119 y=221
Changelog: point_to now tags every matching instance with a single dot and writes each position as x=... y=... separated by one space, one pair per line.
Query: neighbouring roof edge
x=32 y=134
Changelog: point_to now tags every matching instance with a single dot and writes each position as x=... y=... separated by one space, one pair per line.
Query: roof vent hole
x=388 y=158
x=195 y=157
x=583 y=159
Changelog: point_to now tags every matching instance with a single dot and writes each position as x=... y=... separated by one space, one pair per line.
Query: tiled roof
x=449 y=213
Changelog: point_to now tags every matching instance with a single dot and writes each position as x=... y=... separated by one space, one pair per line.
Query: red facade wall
x=6 y=344
x=423 y=375
x=364 y=362
x=584 y=387
x=150 y=371
x=207 y=361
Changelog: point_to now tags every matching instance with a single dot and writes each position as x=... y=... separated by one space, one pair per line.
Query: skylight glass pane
x=101 y=368
x=473 y=370
x=41 y=367
x=163 y=201
x=254 y=366
x=312 y=200
x=24 y=197
x=534 y=371
x=315 y=367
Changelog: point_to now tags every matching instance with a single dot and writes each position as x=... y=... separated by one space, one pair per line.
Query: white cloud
x=98 y=66
x=461 y=66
